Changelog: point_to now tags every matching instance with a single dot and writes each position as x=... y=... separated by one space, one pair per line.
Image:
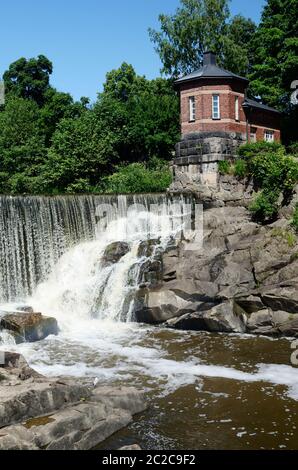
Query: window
x=253 y=134
x=215 y=107
x=236 y=108
x=192 y=108
x=269 y=136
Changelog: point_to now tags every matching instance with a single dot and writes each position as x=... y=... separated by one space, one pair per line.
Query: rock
x=60 y=414
x=273 y=323
x=131 y=447
x=282 y=298
x=259 y=319
x=146 y=248
x=114 y=252
x=250 y=304
x=221 y=318
x=29 y=326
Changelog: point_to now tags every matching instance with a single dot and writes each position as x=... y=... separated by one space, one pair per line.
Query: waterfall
x=52 y=248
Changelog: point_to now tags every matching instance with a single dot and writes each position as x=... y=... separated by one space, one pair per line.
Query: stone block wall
x=197 y=155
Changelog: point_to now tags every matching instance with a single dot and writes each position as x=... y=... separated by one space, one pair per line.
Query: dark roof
x=209 y=70
x=248 y=103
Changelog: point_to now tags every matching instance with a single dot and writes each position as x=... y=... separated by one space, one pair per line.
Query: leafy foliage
x=51 y=144
x=196 y=26
x=274 y=172
x=240 y=168
x=224 y=167
x=29 y=78
x=137 y=178
x=295 y=218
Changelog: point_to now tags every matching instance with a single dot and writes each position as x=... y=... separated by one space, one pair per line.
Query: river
x=205 y=390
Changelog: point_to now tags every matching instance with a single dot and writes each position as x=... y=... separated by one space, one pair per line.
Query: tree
x=80 y=153
x=22 y=149
x=143 y=114
x=275 y=48
x=57 y=106
x=29 y=78
x=276 y=52
x=199 y=25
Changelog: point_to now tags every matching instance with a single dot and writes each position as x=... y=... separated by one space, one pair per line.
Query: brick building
x=216 y=117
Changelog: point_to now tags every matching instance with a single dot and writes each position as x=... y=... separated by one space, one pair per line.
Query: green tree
x=22 y=148
x=29 y=78
x=58 y=106
x=81 y=152
x=143 y=115
x=275 y=48
x=199 y=25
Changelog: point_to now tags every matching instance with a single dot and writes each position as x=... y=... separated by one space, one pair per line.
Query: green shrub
x=80 y=185
x=293 y=149
x=136 y=178
x=224 y=167
x=249 y=151
x=265 y=205
x=240 y=168
x=295 y=218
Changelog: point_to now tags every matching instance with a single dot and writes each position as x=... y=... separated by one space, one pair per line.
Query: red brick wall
x=203 y=90
x=263 y=120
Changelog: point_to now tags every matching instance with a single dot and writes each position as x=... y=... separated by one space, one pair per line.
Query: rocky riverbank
x=244 y=278
x=62 y=413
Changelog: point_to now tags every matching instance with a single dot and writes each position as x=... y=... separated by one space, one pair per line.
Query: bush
x=240 y=168
x=295 y=218
x=265 y=205
x=249 y=151
x=79 y=186
x=293 y=149
x=224 y=167
x=136 y=178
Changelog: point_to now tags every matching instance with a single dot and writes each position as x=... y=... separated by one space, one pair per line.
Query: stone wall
x=197 y=155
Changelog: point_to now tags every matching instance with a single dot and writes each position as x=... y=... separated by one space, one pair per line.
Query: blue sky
x=86 y=39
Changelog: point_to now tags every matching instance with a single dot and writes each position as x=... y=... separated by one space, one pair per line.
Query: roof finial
x=209 y=58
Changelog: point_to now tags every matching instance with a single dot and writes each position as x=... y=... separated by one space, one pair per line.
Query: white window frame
x=269 y=135
x=215 y=107
x=192 y=108
x=237 y=108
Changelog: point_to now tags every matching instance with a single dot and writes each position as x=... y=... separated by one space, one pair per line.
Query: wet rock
x=60 y=414
x=114 y=252
x=29 y=326
x=146 y=248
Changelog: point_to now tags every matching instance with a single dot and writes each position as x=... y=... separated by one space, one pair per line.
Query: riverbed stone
x=61 y=413
x=28 y=326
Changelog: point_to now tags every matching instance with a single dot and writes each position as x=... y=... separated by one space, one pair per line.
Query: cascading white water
x=52 y=248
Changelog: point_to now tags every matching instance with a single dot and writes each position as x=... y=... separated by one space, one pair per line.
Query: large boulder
x=221 y=318
x=28 y=326
x=114 y=252
x=273 y=323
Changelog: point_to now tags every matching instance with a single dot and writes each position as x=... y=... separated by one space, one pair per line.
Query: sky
x=86 y=39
